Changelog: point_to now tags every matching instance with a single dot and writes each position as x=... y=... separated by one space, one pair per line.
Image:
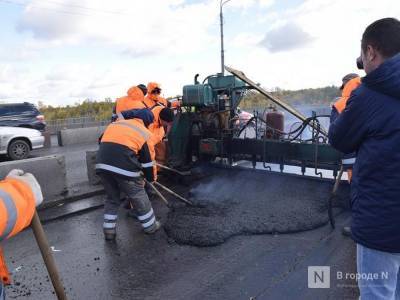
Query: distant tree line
x=101 y=110
x=318 y=96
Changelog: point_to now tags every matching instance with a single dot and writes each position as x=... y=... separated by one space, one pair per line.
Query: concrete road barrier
x=91 y=171
x=47 y=139
x=49 y=171
x=79 y=136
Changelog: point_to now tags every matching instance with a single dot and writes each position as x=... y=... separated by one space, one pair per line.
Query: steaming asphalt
x=236 y=202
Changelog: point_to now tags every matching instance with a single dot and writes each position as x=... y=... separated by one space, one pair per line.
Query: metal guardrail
x=71 y=123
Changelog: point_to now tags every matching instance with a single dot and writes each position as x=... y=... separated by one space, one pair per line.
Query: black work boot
x=153 y=228
x=109 y=234
x=346 y=231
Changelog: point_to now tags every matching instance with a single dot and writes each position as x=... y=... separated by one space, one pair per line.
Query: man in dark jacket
x=370 y=126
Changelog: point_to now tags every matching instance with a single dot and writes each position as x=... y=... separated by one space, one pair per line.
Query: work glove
x=31 y=181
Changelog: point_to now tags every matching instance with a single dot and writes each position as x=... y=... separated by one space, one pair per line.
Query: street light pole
x=221 y=20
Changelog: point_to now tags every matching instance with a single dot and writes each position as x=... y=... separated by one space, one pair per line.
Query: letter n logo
x=319 y=277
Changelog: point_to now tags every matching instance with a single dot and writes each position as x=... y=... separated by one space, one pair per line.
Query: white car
x=17 y=142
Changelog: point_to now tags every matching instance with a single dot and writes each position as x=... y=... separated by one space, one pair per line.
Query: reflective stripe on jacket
x=125 y=149
x=17 y=206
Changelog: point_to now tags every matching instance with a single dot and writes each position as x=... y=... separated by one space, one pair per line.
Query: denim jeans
x=379 y=274
x=2 y=291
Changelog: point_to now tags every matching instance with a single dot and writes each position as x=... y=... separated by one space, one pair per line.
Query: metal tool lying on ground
x=47 y=257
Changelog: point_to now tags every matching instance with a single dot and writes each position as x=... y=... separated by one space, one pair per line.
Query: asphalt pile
x=244 y=202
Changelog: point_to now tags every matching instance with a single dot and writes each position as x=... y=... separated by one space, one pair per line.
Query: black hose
x=299 y=130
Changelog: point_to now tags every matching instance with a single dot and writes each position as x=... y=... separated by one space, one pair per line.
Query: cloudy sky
x=64 y=51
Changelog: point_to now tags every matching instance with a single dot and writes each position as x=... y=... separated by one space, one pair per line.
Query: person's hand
x=30 y=180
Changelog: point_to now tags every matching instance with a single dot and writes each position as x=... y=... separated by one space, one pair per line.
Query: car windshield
x=6 y=110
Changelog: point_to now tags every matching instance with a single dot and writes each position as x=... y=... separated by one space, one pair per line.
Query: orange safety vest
x=156 y=128
x=152 y=100
x=134 y=100
x=158 y=131
x=150 y=103
x=133 y=135
x=17 y=206
x=350 y=86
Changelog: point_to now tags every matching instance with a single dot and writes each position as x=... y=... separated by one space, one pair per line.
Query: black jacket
x=370 y=125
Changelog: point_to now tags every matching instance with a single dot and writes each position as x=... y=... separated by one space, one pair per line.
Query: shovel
x=333 y=195
x=47 y=257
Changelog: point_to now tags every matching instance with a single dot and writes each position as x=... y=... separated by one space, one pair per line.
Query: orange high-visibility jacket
x=152 y=100
x=156 y=128
x=17 y=206
x=351 y=85
x=133 y=100
x=119 y=140
x=130 y=133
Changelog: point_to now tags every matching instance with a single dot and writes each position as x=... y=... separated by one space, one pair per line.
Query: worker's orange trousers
x=161 y=152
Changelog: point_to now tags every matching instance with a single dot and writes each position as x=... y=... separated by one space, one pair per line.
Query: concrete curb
x=49 y=171
x=70 y=209
x=90 y=166
x=72 y=198
x=79 y=136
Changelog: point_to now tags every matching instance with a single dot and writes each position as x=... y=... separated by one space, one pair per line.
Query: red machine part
x=275 y=123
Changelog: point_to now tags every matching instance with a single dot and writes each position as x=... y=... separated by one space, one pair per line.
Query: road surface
x=138 y=266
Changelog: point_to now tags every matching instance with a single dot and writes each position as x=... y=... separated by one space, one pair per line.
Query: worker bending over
x=349 y=83
x=133 y=100
x=125 y=152
x=163 y=118
x=19 y=195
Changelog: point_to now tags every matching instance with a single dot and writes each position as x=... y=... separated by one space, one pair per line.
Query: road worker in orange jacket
x=124 y=153
x=153 y=97
x=133 y=100
x=20 y=193
x=163 y=118
x=349 y=83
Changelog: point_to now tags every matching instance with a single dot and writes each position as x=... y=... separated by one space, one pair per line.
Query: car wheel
x=18 y=149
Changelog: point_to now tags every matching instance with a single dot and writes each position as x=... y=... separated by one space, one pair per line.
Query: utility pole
x=221 y=20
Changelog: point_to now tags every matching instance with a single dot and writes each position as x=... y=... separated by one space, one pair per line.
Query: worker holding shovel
x=124 y=154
